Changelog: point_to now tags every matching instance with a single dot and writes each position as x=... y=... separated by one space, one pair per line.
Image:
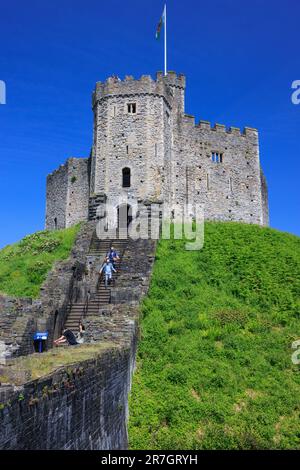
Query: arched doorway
x=124 y=216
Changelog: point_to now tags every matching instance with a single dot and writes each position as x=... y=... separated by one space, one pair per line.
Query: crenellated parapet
x=145 y=85
x=189 y=124
x=171 y=79
x=222 y=129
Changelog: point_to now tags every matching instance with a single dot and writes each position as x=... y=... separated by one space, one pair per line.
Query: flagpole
x=165 y=30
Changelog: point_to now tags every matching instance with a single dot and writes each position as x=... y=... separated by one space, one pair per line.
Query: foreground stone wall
x=83 y=406
x=15 y=321
x=66 y=282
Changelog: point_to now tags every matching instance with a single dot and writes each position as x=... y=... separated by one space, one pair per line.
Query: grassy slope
x=214 y=364
x=24 y=265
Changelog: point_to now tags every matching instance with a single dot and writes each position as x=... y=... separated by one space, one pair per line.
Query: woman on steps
x=107 y=269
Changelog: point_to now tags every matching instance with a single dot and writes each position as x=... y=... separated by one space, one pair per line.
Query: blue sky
x=240 y=59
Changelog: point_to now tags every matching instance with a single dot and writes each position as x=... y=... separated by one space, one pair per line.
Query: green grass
x=24 y=265
x=214 y=367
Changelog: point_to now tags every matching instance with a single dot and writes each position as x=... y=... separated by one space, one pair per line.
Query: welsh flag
x=160 y=24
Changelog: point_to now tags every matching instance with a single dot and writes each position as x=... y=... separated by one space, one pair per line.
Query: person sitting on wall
x=66 y=337
x=113 y=256
x=80 y=334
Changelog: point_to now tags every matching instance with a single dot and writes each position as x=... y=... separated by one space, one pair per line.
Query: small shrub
x=231 y=316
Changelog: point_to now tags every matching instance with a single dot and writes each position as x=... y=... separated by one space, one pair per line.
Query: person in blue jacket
x=107 y=269
x=113 y=256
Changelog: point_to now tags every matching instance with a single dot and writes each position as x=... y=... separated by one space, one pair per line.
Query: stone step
x=102 y=295
x=114 y=243
x=105 y=249
x=90 y=307
x=110 y=242
x=76 y=306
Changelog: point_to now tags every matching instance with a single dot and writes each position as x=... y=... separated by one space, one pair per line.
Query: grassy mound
x=24 y=265
x=214 y=367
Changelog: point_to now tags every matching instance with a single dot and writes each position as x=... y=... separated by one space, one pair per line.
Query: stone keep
x=146 y=148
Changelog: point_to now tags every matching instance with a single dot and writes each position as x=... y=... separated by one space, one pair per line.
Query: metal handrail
x=86 y=305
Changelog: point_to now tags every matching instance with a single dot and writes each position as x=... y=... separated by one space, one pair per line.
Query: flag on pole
x=163 y=21
x=160 y=25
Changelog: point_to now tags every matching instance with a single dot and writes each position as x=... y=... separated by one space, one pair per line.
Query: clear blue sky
x=239 y=57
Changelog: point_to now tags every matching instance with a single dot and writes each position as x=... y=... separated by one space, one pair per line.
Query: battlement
x=64 y=166
x=221 y=128
x=172 y=79
x=248 y=132
x=114 y=86
x=61 y=168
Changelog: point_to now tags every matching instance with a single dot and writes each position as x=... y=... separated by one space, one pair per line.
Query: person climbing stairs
x=92 y=304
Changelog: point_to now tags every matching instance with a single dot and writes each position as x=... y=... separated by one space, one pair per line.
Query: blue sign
x=40 y=335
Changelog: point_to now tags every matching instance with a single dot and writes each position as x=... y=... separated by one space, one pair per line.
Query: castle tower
x=145 y=148
x=132 y=136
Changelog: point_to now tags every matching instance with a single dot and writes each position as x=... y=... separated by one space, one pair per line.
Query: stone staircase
x=102 y=296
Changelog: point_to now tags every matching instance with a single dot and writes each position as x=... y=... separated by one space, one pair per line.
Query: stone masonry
x=67 y=282
x=82 y=405
x=141 y=130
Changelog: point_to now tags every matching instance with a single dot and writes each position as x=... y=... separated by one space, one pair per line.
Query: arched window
x=126 y=177
x=55 y=223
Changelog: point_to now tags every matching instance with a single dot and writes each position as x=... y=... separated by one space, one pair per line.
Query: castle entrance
x=124 y=216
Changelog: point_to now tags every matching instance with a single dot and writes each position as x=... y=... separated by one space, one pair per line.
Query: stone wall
x=56 y=198
x=68 y=194
x=82 y=406
x=228 y=190
x=66 y=282
x=78 y=190
x=14 y=319
x=265 y=200
x=125 y=140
